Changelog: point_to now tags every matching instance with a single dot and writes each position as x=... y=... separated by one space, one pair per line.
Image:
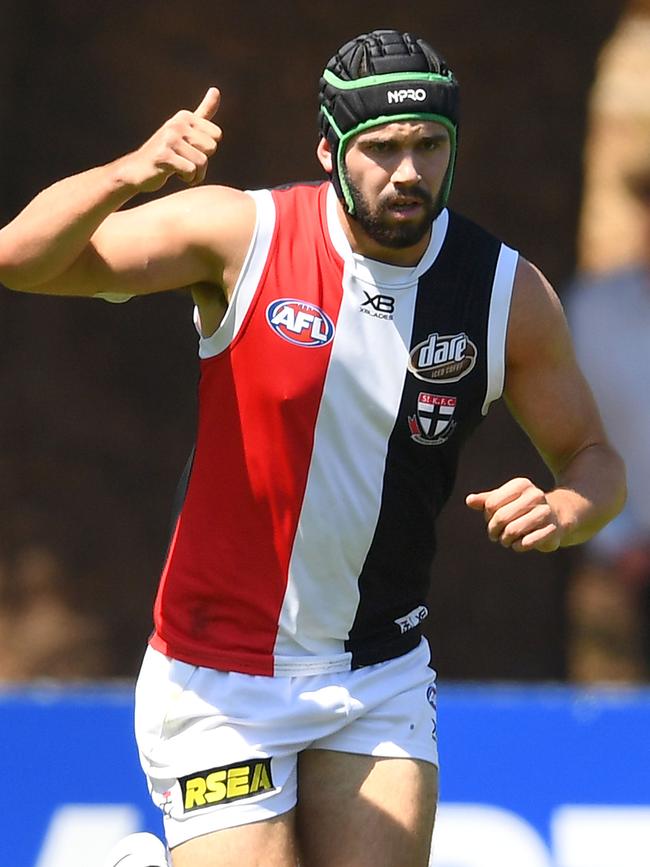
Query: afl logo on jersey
x=443 y=357
x=300 y=322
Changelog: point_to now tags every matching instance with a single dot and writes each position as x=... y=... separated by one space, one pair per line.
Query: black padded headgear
x=378 y=78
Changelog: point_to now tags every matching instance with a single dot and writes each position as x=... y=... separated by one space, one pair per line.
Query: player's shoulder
x=301 y=188
x=465 y=230
x=214 y=219
x=535 y=308
x=532 y=289
x=209 y=201
x=227 y=211
x=218 y=196
x=466 y=223
x=300 y=196
x=537 y=325
x=300 y=206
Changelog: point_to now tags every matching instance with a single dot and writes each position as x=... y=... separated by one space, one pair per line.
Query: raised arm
x=548 y=395
x=71 y=239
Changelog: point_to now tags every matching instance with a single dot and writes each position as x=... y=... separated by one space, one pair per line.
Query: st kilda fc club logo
x=433 y=422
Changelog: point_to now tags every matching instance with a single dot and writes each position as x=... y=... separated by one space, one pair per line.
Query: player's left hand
x=519 y=516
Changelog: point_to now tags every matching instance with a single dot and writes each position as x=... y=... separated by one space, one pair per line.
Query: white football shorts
x=220 y=749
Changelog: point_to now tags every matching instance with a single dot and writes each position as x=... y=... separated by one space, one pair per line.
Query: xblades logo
x=380 y=306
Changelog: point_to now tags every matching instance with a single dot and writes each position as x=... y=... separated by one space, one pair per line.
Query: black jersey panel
x=441 y=403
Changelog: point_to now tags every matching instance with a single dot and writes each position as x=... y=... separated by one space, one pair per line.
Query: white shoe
x=138 y=850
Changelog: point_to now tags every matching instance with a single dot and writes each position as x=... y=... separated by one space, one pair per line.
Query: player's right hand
x=182 y=146
x=519 y=515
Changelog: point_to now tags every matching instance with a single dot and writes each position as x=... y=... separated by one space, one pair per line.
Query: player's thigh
x=364 y=811
x=259 y=844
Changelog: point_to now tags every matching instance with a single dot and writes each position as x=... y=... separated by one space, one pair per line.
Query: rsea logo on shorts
x=226 y=784
x=300 y=322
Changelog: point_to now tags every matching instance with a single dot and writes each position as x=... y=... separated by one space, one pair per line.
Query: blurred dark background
x=97 y=401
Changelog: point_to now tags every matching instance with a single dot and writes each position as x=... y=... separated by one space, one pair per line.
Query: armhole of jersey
x=248 y=280
x=497 y=328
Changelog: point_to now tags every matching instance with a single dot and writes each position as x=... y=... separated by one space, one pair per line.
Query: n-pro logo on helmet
x=408 y=93
x=300 y=322
x=443 y=357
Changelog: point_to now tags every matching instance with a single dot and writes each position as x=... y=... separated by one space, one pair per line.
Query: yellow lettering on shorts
x=261 y=780
x=229 y=783
x=194 y=793
x=238 y=781
x=216 y=786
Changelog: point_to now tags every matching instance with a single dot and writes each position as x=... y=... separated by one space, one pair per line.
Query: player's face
x=395 y=174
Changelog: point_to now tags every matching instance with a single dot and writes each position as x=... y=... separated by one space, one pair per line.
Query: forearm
x=52 y=231
x=54 y=244
x=590 y=492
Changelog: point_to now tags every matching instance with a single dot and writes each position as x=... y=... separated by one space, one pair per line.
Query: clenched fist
x=182 y=146
x=519 y=516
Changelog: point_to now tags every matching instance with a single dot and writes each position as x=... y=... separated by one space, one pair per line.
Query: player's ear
x=324 y=154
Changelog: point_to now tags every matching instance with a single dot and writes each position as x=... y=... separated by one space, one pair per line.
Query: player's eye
x=379 y=146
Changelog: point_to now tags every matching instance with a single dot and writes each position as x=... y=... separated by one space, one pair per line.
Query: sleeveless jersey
x=333 y=400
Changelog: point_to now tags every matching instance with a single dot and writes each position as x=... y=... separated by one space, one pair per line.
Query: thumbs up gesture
x=182 y=146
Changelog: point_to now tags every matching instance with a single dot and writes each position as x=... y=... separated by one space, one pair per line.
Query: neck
x=362 y=243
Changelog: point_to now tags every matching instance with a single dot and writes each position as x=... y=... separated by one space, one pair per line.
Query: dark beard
x=390 y=234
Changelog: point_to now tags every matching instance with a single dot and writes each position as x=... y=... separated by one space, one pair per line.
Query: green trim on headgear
x=349 y=106
x=384 y=78
x=344 y=139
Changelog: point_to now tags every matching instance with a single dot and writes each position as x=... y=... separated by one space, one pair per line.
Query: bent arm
x=83 y=248
x=55 y=228
x=72 y=239
x=551 y=400
x=188 y=237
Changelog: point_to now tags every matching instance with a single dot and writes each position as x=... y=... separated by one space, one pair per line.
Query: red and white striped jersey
x=333 y=400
